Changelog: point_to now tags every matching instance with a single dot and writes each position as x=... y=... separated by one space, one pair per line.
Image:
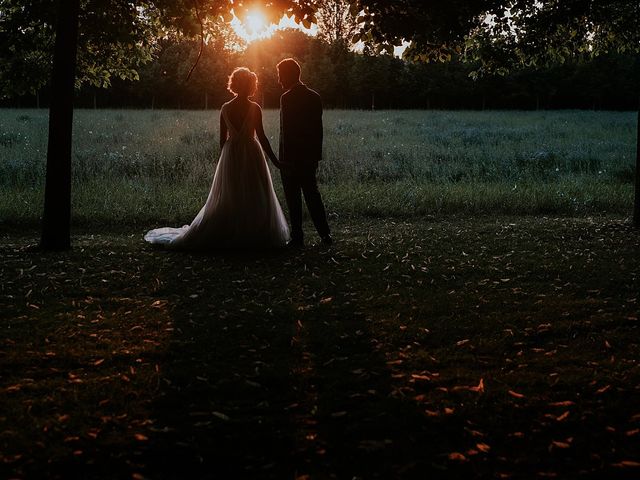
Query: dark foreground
x=466 y=348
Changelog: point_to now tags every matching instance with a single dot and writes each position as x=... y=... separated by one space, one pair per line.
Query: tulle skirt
x=241 y=211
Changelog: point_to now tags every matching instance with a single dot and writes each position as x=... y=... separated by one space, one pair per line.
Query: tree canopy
x=502 y=33
x=551 y=32
x=117 y=37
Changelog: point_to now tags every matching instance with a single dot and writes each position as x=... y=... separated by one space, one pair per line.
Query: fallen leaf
x=626 y=464
x=457 y=456
x=479 y=388
x=483 y=447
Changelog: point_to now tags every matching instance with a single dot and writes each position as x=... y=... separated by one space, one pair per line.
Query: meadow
x=132 y=166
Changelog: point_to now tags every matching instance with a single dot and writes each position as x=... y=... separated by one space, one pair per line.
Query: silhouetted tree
x=57 y=197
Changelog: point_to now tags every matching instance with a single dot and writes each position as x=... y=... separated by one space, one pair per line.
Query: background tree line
x=361 y=80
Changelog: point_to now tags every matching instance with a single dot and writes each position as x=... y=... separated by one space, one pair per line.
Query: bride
x=242 y=209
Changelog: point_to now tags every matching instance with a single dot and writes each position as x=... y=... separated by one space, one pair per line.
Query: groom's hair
x=289 y=68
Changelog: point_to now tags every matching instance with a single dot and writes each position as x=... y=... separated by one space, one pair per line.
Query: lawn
x=455 y=347
x=137 y=166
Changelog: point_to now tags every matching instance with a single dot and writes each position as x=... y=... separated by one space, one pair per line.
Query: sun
x=255 y=26
x=256 y=22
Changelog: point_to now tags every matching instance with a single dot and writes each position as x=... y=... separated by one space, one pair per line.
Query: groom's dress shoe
x=327 y=240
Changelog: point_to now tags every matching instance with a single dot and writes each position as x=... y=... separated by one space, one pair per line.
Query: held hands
x=275 y=161
x=280 y=165
x=285 y=167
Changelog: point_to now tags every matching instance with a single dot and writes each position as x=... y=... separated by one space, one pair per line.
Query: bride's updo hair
x=242 y=82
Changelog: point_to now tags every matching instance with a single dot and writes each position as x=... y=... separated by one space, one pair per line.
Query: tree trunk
x=636 y=203
x=56 y=220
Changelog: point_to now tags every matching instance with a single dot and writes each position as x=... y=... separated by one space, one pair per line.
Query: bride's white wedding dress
x=242 y=210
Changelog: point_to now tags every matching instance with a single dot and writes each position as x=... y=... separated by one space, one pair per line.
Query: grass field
x=156 y=166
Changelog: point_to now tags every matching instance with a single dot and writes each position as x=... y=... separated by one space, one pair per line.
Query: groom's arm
x=289 y=129
x=319 y=127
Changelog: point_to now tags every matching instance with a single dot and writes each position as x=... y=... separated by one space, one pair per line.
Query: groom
x=300 y=151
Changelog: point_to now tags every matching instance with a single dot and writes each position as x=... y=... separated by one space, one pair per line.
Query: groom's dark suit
x=300 y=151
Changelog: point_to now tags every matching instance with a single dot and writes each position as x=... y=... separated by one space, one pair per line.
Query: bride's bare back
x=244 y=114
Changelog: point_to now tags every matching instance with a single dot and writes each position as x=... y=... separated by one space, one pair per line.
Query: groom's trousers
x=295 y=182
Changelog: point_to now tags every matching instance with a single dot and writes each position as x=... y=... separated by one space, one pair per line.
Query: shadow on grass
x=273 y=372
x=359 y=361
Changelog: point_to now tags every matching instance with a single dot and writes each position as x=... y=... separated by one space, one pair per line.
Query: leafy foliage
x=26 y=45
x=337 y=22
x=435 y=28
x=115 y=39
x=550 y=32
x=502 y=34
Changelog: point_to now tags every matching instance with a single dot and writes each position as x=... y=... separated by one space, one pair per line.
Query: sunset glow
x=255 y=26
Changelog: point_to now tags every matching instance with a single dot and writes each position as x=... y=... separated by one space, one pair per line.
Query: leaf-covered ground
x=458 y=348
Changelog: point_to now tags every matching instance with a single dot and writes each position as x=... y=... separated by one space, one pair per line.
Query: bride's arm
x=223 y=130
x=264 y=141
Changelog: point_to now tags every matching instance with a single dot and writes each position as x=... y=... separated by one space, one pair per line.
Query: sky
x=256 y=27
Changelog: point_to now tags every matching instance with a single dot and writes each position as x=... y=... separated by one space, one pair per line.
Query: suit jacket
x=301 y=128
